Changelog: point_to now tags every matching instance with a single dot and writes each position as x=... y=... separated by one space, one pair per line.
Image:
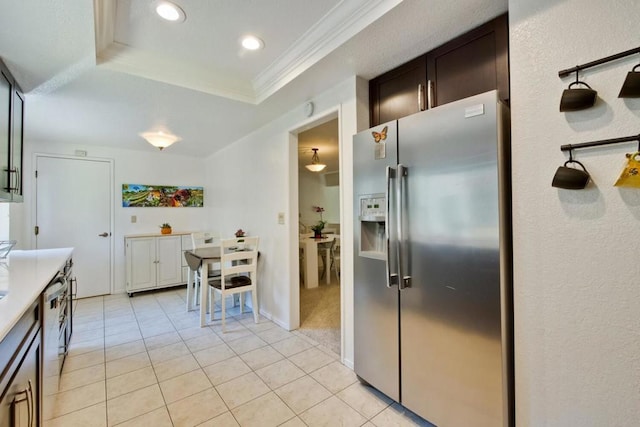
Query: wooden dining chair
x=199 y=240
x=204 y=238
x=238 y=274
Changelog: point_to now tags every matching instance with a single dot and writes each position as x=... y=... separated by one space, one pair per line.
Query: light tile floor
x=144 y=361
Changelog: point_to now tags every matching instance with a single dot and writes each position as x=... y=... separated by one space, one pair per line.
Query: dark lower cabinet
x=473 y=63
x=20 y=386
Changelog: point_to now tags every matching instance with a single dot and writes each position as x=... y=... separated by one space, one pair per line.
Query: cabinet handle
x=11 y=187
x=420 y=97
x=429 y=94
x=13 y=180
x=32 y=405
x=28 y=397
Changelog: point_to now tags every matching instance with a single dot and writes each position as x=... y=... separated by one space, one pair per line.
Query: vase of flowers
x=319 y=226
x=317 y=229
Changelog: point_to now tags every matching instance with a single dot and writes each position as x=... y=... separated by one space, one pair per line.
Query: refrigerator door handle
x=403 y=171
x=392 y=278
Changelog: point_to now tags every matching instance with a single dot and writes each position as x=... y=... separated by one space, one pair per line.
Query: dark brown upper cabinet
x=473 y=63
x=11 y=137
x=399 y=92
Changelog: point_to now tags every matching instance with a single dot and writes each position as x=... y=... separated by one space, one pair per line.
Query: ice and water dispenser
x=372 y=226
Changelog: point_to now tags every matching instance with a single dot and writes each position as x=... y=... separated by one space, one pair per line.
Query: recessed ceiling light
x=252 y=43
x=169 y=11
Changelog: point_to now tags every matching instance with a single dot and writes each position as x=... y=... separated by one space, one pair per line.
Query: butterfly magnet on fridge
x=379 y=138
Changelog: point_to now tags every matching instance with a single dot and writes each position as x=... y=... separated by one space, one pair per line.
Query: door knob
x=105 y=234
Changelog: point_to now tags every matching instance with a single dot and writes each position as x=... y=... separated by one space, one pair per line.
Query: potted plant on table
x=319 y=226
x=240 y=233
x=165 y=228
x=317 y=229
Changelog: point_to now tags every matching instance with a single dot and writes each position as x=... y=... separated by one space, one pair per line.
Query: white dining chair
x=335 y=256
x=199 y=240
x=238 y=274
x=324 y=252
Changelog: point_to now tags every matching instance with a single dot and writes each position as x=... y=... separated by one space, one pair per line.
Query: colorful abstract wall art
x=163 y=196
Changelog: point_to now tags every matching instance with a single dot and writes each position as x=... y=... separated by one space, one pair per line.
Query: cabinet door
x=17 y=125
x=473 y=63
x=5 y=138
x=169 y=256
x=399 y=92
x=141 y=263
x=20 y=404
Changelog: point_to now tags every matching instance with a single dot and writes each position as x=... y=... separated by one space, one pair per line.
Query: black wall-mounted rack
x=568 y=71
x=569 y=147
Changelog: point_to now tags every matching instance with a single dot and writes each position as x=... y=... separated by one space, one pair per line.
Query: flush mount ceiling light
x=252 y=43
x=169 y=11
x=315 y=165
x=160 y=139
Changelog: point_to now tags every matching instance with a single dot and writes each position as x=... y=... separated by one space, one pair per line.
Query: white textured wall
x=138 y=167
x=251 y=179
x=576 y=267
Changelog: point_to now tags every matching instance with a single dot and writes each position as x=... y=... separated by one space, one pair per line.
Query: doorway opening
x=318 y=203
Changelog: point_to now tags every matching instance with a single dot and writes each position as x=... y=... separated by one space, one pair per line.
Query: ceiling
x=101 y=72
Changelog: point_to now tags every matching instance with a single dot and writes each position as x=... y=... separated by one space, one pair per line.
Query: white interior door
x=73 y=209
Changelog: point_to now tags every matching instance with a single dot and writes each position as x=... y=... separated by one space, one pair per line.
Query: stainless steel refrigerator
x=433 y=298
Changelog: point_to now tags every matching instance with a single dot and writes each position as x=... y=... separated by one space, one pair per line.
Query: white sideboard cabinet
x=155 y=261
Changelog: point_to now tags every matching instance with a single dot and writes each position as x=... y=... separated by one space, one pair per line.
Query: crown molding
x=340 y=24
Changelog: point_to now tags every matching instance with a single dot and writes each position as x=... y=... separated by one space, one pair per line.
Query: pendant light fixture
x=160 y=139
x=315 y=165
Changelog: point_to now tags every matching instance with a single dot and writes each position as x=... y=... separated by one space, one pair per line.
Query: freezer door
x=451 y=346
x=375 y=305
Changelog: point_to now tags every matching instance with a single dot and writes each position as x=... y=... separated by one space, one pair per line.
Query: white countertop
x=24 y=275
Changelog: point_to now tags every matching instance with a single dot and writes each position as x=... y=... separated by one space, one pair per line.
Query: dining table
x=201 y=258
x=310 y=246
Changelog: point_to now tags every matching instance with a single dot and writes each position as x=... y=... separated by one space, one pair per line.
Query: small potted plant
x=239 y=235
x=165 y=228
x=317 y=228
